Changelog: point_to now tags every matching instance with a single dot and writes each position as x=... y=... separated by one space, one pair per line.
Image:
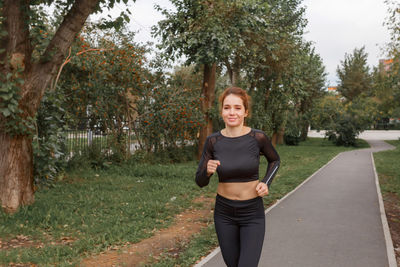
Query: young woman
x=234 y=153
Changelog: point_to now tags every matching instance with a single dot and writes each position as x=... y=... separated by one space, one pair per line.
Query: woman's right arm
x=202 y=177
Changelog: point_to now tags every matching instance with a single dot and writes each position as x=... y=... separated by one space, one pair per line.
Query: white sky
x=335 y=26
x=338 y=26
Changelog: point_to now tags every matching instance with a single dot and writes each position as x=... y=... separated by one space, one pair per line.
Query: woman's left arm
x=272 y=157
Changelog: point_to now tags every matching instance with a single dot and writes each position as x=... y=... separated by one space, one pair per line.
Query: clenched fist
x=212 y=166
x=262 y=189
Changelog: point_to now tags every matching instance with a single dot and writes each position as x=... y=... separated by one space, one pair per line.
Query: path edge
x=217 y=250
x=386 y=231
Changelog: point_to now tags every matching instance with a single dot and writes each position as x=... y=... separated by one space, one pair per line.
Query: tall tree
x=354 y=74
x=269 y=66
x=312 y=81
x=198 y=31
x=25 y=73
x=393 y=24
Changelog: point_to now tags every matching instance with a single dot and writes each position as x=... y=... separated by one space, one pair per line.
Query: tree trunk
x=207 y=100
x=280 y=135
x=304 y=132
x=229 y=71
x=16 y=172
x=236 y=71
x=274 y=138
x=235 y=77
x=277 y=137
x=16 y=156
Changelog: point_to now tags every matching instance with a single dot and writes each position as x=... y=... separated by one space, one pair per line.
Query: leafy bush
x=345 y=132
x=344 y=121
x=292 y=131
x=49 y=143
x=167 y=155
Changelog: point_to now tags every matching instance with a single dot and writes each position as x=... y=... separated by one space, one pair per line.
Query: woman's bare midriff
x=238 y=191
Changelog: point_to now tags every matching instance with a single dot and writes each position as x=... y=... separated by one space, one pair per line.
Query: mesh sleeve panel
x=201 y=174
x=268 y=150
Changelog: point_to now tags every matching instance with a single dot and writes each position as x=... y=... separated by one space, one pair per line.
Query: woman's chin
x=233 y=124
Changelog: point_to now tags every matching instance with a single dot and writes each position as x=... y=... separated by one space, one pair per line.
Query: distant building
x=333 y=90
x=385 y=64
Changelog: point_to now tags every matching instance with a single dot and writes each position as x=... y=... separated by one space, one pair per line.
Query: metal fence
x=79 y=141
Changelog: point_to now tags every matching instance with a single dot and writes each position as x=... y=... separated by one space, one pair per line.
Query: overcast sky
x=335 y=26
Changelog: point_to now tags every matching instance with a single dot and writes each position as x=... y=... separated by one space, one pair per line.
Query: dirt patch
x=21 y=265
x=166 y=240
x=392 y=210
x=22 y=241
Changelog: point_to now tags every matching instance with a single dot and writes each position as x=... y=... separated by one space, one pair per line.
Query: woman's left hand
x=262 y=189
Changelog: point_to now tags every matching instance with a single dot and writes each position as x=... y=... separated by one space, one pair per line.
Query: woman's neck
x=235 y=131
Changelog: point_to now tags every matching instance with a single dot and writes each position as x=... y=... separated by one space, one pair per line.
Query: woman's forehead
x=233 y=100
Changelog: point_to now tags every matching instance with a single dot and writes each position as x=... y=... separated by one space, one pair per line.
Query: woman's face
x=233 y=111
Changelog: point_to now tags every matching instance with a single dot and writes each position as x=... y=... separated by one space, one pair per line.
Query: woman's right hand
x=212 y=166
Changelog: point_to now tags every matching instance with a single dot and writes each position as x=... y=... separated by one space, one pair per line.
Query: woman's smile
x=233 y=111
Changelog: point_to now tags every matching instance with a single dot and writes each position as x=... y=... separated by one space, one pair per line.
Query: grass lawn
x=388 y=168
x=90 y=211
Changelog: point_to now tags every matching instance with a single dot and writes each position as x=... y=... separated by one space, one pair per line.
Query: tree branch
x=69 y=28
x=43 y=72
x=15 y=43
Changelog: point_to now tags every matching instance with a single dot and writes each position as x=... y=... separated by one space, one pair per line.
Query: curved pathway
x=335 y=218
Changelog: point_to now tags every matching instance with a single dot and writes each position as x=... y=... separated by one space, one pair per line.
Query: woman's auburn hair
x=246 y=99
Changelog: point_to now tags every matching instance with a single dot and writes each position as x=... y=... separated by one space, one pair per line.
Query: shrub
x=292 y=131
x=49 y=143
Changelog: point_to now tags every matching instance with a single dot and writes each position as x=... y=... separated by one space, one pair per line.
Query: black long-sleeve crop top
x=239 y=157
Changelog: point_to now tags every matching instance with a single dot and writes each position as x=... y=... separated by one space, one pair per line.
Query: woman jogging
x=234 y=153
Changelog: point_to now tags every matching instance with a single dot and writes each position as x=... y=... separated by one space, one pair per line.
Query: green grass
x=122 y=204
x=388 y=168
x=104 y=208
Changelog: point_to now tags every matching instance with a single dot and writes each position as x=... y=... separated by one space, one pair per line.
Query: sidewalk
x=367 y=135
x=333 y=219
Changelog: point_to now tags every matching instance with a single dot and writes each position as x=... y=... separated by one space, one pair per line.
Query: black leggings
x=240 y=227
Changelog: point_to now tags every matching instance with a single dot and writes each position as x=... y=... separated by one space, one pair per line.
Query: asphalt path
x=335 y=218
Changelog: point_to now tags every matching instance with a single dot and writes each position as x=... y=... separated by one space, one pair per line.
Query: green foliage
x=9 y=94
x=169 y=110
x=259 y=45
x=198 y=29
x=344 y=120
x=393 y=24
x=386 y=86
x=49 y=144
x=354 y=75
x=13 y=120
x=386 y=89
x=91 y=157
x=165 y=155
x=102 y=83
x=62 y=7
x=292 y=131
x=41 y=27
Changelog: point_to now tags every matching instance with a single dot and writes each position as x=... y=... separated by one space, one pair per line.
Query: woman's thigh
x=251 y=242
x=228 y=234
